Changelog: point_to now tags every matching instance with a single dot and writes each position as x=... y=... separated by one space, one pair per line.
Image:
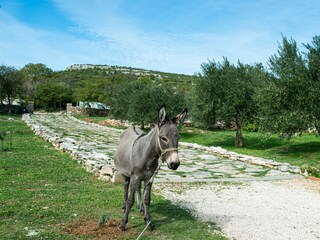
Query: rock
x=100 y=156
x=105 y=178
x=117 y=177
x=106 y=171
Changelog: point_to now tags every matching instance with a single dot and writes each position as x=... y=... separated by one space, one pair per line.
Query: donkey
x=137 y=159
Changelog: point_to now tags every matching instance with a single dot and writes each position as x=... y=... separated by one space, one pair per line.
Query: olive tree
x=35 y=74
x=283 y=99
x=313 y=73
x=52 y=95
x=138 y=101
x=224 y=92
x=10 y=84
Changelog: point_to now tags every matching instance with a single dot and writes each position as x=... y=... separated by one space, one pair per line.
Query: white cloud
x=106 y=36
x=21 y=44
x=123 y=42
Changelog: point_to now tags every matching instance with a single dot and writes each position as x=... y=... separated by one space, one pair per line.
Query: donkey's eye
x=164 y=139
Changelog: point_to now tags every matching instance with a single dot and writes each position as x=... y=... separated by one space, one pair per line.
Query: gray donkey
x=137 y=159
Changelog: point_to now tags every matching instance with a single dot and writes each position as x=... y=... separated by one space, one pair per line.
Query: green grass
x=300 y=151
x=92 y=119
x=45 y=190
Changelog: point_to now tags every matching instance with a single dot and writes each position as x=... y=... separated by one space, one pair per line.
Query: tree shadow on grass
x=251 y=142
x=179 y=223
x=167 y=216
x=300 y=148
x=263 y=143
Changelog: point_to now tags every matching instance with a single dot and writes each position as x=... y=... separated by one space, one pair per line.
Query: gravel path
x=287 y=209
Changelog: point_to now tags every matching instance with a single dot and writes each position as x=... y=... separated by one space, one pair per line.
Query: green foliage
x=313 y=65
x=52 y=96
x=91 y=91
x=224 y=92
x=103 y=219
x=311 y=170
x=139 y=101
x=100 y=89
x=10 y=84
x=283 y=100
x=35 y=74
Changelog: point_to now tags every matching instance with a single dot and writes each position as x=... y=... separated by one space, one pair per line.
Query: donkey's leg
x=147 y=200
x=129 y=203
x=140 y=204
x=125 y=194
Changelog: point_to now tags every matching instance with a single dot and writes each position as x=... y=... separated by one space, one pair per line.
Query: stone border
x=96 y=163
x=284 y=167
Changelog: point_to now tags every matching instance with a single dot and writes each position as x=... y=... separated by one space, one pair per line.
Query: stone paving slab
x=94 y=146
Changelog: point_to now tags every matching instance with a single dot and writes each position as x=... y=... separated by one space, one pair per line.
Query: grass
x=44 y=191
x=92 y=119
x=300 y=151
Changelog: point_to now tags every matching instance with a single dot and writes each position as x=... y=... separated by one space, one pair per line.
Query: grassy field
x=46 y=194
x=303 y=151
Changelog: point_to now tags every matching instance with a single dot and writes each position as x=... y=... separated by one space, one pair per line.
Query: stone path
x=94 y=147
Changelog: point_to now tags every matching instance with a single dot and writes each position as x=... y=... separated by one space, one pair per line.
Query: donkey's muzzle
x=172 y=160
x=174 y=165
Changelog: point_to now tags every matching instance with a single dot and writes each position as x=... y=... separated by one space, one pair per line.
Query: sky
x=174 y=36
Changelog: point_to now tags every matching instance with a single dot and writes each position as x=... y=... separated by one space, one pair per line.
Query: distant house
x=17 y=107
x=92 y=105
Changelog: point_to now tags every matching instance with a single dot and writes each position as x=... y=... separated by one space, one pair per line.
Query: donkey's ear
x=162 y=115
x=180 y=117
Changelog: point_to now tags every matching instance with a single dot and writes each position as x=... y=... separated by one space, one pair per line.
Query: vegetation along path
x=244 y=208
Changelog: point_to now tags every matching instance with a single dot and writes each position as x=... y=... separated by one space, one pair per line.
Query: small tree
x=53 y=96
x=137 y=101
x=224 y=92
x=91 y=91
x=313 y=69
x=10 y=84
x=35 y=74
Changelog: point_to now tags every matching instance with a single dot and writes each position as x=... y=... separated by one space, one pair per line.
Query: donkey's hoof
x=122 y=227
x=150 y=227
x=123 y=210
x=141 y=211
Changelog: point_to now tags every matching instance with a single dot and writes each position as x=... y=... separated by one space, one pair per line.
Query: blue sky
x=165 y=35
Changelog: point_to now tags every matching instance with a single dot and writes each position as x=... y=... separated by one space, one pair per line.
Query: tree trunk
x=239 y=138
x=142 y=125
x=9 y=105
x=1 y=102
x=317 y=127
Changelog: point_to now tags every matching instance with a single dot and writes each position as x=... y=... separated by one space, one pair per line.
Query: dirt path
x=287 y=209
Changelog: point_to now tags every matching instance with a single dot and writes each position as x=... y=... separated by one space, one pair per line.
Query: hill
x=78 y=72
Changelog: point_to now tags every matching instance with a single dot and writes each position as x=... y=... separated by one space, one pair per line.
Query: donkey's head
x=168 y=137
